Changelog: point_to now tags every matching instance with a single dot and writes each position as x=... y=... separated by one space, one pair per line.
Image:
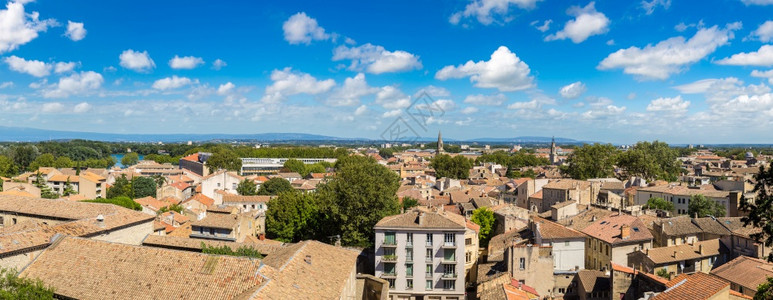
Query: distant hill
x=527 y=139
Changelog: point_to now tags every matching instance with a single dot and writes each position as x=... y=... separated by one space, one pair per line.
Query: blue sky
x=612 y=71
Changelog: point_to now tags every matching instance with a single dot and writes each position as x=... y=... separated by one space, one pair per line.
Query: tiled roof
x=411 y=219
x=203 y=199
x=55 y=208
x=246 y=199
x=694 y=287
x=567 y=184
x=711 y=225
x=64 y=178
x=189 y=244
x=678 y=226
x=152 y=203
x=223 y=221
x=563 y=204
x=585 y=218
x=193 y=157
x=664 y=255
x=180 y=185
x=88 y=269
x=537 y=195
x=92 y=177
x=593 y=280
x=746 y=271
x=608 y=229
x=550 y=230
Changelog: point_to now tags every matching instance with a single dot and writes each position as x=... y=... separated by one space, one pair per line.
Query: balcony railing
x=449 y=260
x=428 y=259
x=429 y=243
x=449 y=245
x=390 y=258
x=449 y=276
x=389 y=243
x=428 y=275
x=409 y=244
x=389 y=274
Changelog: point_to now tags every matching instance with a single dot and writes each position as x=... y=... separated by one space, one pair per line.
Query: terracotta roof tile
x=694 y=287
x=608 y=229
x=746 y=271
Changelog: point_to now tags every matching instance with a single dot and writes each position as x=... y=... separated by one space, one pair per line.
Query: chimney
x=674 y=253
x=700 y=249
x=307 y=259
x=625 y=232
x=101 y=221
x=421 y=218
x=262 y=237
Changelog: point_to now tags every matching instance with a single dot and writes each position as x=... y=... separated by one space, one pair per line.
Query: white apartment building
x=422 y=255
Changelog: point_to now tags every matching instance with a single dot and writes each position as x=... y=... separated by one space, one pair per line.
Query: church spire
x=439 y=142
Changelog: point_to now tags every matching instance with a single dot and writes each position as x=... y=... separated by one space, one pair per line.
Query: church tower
x=553 y=156
x=439 y=143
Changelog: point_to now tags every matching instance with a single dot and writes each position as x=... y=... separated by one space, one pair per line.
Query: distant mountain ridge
x=26 y=134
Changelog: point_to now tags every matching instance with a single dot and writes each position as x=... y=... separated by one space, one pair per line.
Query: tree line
x=650 y=160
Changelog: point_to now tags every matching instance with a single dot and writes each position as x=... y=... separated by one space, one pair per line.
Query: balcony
x=449 y=245
x=449 y=276
x=428 y=259
x=389 y=258
x=449 y=260
x=389 y=243
x=428 y=275
x=409 y=244
x=386 y=274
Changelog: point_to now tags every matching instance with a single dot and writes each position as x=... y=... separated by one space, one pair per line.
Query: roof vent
x=307 y=259
x=100 y=218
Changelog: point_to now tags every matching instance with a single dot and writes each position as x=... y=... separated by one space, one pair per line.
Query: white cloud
x=137 y=61
x=572 y=90
x=469 y=110
x=391 y=97
x=480 y=99
x=761 y=57
x=650 y=6
x=542 y=28
x=52 y=107
x=64 y=67
x=763 y=74
x=173 y=82
x=723 y=89
x=587 y=22
x=185 y=62
x=301 y=29
x=602 y=112
x=392 y=113
x=81 y=108
x=531 y=104
x=18 y=27
x=669 y=56
x=225 y=88
x=432 y=91
x=757 y=2
x=352 y=90
x=361 y=110
x=375 y=59
x=32 y=67
x=486 y=11
x=75 y=84
x=288 y=82
x=610 y=42
x=75 y=31
x=504 y=71
x=681 y=27
x=445 y=104
x=218 y=64
x=675 y=105
x=765 y=32
x=6 y=84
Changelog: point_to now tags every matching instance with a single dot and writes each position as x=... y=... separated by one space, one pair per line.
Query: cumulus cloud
x=64 y=67
x=6 y=84
x=764 y=33
x=75 y=84
x=301 y=29
x=504 y=71
x=392 y=113
x=432 y=91
x=75 y=31
x=52 y=107
x=675 y=105
x=531 y=104
x=603 y=112
x=185 y=62
x=650 y=6
x=32 y=67
x=490 y=11
x=18 y=27
x=352 y=90
x=572 y=90
x=720 y=90
x=480 y=99
x=757 y=2
x=763 y=74
x=137 y=61
x=391 y=97
x=218 y=64
x=170 y=83
x=587 y=22
x=287 y=82
x=375 y=59
x=361 y=110
x=542 y=28
x=670 y=56
x=469 y=110
x=225 y=88
x=761 y=57
x=81 y=108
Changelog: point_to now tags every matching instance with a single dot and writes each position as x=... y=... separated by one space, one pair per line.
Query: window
x=522 y=263
x=389 y=268
x=218 y=184
x=429 y=285
x=468 y=242
x=389 y=251
x=409 y=283
x=449 y=285
x=428 y=271
x=391 y=283
x=428 y=256
x=566 y=243
x=408 y=269
x=409 y=238
x=409 y=254
x=449 y=239
x=449 y=254
x=14 y=221
x=212 y=231
x=468 y=257
x=449 y=269
x=233 y=186
x=429 y=239
x=389 y=238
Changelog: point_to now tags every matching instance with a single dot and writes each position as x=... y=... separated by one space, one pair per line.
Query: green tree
x=274 y=186
x=592 y=161
x=765 y=290
x=663 y=273
x=651 y=161
x=68 y=188
x=760 y=210
x=143 y=187
x=386 y=153
x=702 y=207
x=7 y=167
x=294 y=165
x=174 y=207
x=122 y=201
x=120 y=188
x=247 y=187
x=45 y=190
x=44 y=160
x=360 y=194
x=315 y=168
x=292 y=217
x=130 y=159
x=63 y=162
x=457 y=167
x=484 y=217
x=159 y=179
x=24 y=155
x=660 y=203
x=13 y=287
x=409 y=202
x=224 y=159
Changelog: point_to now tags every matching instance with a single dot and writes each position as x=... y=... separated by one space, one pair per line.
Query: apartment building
x=611 y=239
x=422 y=255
